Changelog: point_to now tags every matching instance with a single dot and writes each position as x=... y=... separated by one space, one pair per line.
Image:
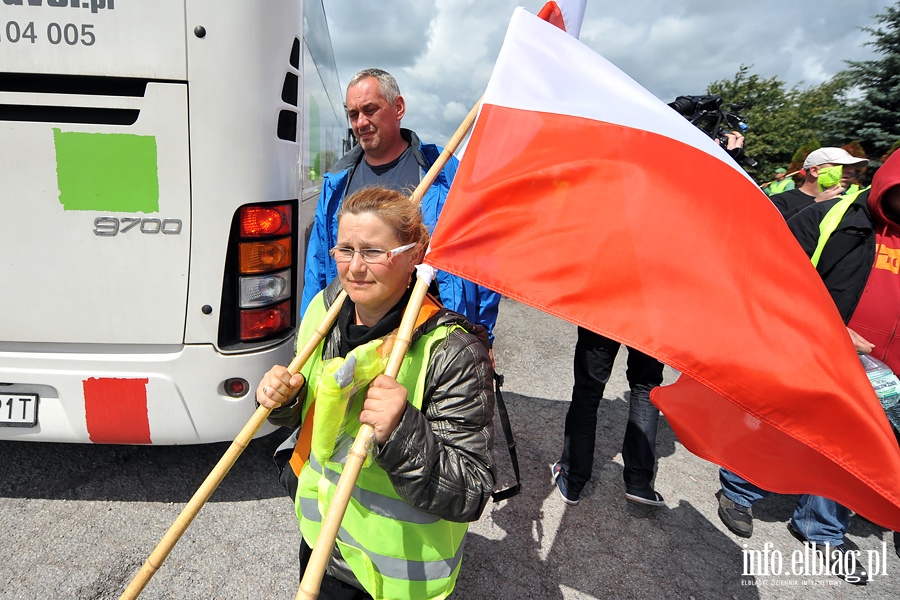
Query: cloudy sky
x=442 y=51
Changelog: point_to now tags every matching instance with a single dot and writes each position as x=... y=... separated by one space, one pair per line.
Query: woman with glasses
x=430 y=472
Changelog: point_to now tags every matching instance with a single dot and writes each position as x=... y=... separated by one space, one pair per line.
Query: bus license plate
x=18 y=410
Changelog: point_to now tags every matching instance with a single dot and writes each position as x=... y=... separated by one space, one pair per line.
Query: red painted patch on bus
x=116 y=410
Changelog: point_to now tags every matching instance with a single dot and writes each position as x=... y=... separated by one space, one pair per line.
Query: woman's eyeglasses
x=343 y=254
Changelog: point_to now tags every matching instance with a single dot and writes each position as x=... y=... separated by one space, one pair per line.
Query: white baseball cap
x=835 y=156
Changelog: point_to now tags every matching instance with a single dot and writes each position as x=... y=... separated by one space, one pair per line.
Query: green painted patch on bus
x=109 y=172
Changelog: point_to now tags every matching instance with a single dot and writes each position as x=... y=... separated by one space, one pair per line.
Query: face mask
x=829 y=177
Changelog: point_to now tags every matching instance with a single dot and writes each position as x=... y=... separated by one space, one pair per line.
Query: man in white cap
x=819 y=163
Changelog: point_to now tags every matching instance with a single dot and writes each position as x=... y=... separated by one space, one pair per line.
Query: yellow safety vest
x=830 y=222
x=393 y=549
x=776 y=187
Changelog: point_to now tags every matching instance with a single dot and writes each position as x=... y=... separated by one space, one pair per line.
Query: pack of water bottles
x=886 y=385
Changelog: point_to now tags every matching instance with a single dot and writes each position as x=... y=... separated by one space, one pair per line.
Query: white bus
x=159 y=164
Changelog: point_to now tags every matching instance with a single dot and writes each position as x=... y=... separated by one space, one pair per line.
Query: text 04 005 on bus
x=161 y=165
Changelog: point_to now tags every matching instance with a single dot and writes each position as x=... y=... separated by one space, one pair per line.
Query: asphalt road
x=78 y=521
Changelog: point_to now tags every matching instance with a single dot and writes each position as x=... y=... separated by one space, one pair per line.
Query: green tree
x=782 y=122
x=872 y=118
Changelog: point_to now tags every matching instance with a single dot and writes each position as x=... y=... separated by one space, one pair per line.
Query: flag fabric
x=565 y=14
x=583 y=195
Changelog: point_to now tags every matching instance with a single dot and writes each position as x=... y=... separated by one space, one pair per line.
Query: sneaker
x=738 y=519
x=646 y=495
x=842 y=563
x=558 y=478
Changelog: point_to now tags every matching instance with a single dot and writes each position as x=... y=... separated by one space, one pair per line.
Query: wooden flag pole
x=215 y=477
x=318 y=561
x=448 y=151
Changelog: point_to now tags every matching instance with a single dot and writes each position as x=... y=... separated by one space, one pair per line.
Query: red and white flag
x=585 y=196
x=565 y=14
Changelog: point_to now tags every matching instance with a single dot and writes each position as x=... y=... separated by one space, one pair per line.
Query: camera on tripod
x=706 y=113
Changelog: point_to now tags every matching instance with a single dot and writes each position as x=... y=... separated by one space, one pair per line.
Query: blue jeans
x=594 y=359
x=819 y=519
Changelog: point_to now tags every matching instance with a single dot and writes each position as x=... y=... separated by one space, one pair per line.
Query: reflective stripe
x=408 y=570
x=341 y=450
x=383 y=506
x=309 y=508
x=398 y=568
x=830 y=222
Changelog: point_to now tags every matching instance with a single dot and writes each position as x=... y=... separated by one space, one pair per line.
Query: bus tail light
x=262 y=290
x=259 y=296
x=264 y=221
x=261 y=257
x=263 y=322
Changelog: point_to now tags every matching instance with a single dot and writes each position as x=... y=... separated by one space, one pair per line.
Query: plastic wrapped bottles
x=886 y=385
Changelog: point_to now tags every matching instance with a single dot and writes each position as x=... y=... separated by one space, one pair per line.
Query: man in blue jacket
x=392 y=157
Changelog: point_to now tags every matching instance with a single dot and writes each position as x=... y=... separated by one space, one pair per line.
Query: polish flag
x=583 y=195
x=565 y=14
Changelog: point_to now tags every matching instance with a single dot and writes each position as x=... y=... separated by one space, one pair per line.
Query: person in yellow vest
x=430 y=472
x=782 y=183
x=821 y=162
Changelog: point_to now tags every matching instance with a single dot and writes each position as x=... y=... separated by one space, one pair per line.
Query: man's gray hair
x=386 y=83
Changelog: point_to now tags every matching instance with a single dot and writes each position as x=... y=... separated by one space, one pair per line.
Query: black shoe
x=558 y=478
x=841 y=562
x=647 y=496
x=738 y=519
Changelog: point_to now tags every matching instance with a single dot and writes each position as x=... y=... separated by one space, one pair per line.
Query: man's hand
x=384 y=406
x=863 y=346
